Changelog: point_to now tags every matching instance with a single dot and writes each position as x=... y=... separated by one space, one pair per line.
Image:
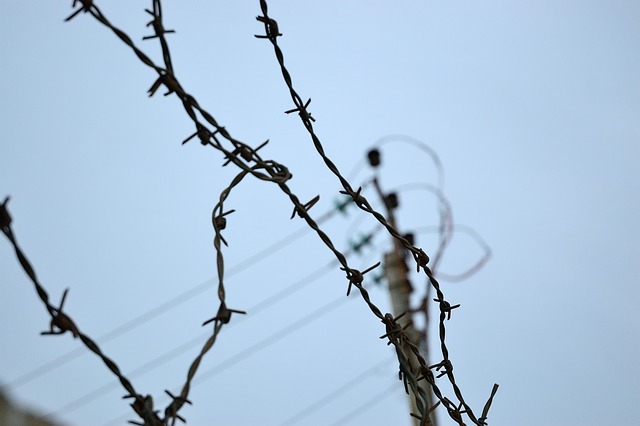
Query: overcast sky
x=532 y=108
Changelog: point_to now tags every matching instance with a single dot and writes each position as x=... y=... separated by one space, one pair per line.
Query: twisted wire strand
x=454 y=411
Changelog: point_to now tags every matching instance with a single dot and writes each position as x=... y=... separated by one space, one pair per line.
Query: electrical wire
x=192 y=292
x=335 y=393
x=422 y=146
x=164 y=307
x=458 y=228
x=446 y=227
x=184 y=347
x=359 y=410
x=173 y=353
x=262 y=344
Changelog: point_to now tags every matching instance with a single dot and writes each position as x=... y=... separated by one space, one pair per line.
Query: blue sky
x=532 y=108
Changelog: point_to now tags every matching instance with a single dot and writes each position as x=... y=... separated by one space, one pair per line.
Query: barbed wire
x=278 y=297
x=396 y=333
x=173 y=302
x=61 y=323
x=267 y=341
x=250 y=162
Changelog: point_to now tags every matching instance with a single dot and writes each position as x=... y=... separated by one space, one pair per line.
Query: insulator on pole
x=391 y=200
x=410 y=237
x=374 y=157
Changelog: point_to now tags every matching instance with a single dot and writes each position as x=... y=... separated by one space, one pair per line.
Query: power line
x=110 y=335
x=458 y=228
x=365 y=406
x=262 y=344
x=171 y=354
x=163 y=307
x=273 y=338
x=335 y=393
x=420 y=145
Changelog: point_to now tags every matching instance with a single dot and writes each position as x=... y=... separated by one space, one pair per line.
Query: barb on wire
x=306 y=206
x=85 y=5
x=60 y=322
x=356 y=277
x=270 y=27
x=224 y=315
x=302 y=112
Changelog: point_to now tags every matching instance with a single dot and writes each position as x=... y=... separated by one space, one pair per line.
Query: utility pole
x=400 y=289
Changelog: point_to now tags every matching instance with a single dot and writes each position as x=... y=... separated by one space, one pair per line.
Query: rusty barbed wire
x=62 y=323
x=255 y=310
x=272 y=34
x=251 y=163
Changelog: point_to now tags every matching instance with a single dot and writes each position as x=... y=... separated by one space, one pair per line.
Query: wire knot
x=445 y=365
x=395 y=331
x=156 y=23
x=306 y=207
x=86 y=6
x=270 y=27
x=278 y=172
x=356 y=277
x=357 y=198
x=172 y=409
x=143 y=406
x=220 y=223
x=60 y=322
x=169 y=81
x=446 y=307
x=247 y=153
x=302 y=111
x=224 y=315
x=421 y=258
